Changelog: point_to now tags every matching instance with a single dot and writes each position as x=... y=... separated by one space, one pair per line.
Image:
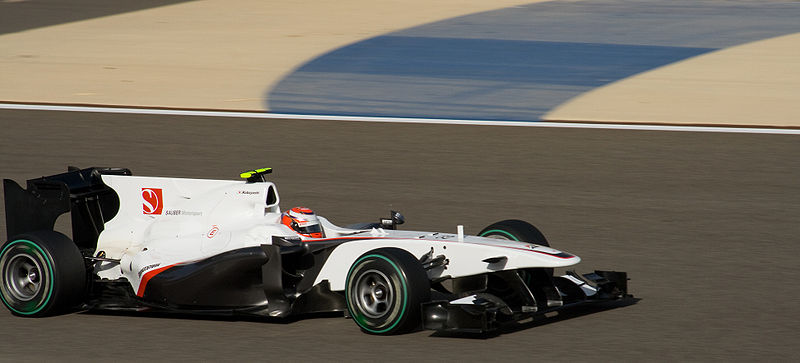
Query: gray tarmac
x=21 y=15
x=706 y=225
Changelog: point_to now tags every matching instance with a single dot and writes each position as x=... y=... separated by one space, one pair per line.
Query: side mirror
x=394 y=219
x=397 y=218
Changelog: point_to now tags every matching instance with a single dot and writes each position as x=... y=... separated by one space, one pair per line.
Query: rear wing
x=81 y=192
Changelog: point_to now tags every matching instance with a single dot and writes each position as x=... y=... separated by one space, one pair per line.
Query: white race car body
x=168 y=221
x=219 y=246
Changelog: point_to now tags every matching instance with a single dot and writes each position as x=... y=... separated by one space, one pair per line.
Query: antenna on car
x=256 y=175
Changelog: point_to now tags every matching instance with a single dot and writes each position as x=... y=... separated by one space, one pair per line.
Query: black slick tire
x=516 y=230
x=384 y=292
x=41 y=273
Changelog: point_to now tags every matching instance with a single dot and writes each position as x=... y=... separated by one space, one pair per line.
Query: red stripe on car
x=147 y=276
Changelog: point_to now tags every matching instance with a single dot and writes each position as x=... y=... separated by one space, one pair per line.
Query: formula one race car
x=224 y=247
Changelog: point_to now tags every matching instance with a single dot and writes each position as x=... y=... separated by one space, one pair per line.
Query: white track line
x=612 y=126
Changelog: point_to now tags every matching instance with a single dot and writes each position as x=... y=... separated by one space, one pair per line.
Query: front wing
x=512 y=296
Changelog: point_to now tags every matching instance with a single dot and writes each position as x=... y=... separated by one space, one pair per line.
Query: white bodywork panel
x=167 y=221
x=465 y=258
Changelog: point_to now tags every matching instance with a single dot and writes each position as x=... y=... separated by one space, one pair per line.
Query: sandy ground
x=211 y=55
x=203 y=54
x=751 y=84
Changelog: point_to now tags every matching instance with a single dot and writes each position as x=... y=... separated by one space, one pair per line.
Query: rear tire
x=385 y=290
x=41 y=273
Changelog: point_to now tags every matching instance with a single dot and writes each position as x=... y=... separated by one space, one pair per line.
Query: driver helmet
x=303 y=221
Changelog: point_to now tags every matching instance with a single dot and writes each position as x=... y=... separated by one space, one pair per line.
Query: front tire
x=516 y=230
x=41 y=273
x=384 y=291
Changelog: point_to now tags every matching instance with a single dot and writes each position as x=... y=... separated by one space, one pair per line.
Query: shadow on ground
x=518 y=63
x=531 y=323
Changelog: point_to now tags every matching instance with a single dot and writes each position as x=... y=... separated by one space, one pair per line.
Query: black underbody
x=277 y=281
x=270 y=280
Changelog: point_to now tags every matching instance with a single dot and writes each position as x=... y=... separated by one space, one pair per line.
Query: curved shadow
x=518 y=63
x=508 y=328
x=210 y=316
x=562 y=315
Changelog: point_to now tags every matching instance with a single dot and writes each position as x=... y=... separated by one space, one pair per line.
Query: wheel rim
x=23 y=277
x=374 y=294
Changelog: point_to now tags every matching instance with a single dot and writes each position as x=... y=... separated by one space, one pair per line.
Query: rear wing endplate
x=79 y=191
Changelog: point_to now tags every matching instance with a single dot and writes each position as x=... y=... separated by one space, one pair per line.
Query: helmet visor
x=314 y=228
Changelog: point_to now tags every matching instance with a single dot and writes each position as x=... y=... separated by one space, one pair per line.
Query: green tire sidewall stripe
x=357 y=317
x=501 y=232
x=49 y=267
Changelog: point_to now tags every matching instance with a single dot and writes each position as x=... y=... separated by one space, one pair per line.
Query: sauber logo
x=152 y=201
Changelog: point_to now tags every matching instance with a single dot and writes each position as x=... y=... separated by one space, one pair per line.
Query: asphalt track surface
x=30 y=14
x=705 y=223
